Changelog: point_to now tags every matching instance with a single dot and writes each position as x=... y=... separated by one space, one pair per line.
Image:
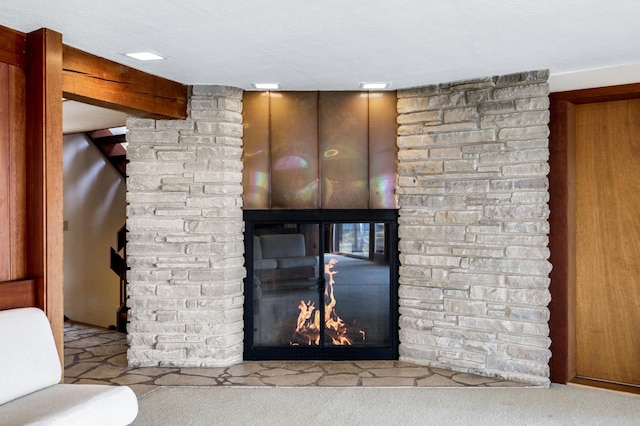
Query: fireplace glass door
x=321 y=289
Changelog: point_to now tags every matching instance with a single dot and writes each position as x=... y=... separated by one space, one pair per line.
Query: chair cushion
x=257 y=249
x=277 y=246
x=297 y=262
x=29 y=358
x=73 y=404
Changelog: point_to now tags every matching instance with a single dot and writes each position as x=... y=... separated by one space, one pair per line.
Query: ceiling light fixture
x=266 y=86
x=374 y=86
x=145 y=56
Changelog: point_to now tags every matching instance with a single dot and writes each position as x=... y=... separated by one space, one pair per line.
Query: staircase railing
x=119 y=266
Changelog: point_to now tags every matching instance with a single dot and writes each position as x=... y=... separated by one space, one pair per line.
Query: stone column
x=473 y=195
x=185 y=234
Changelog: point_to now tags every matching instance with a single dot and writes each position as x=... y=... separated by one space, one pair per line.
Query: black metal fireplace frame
x=373 y=352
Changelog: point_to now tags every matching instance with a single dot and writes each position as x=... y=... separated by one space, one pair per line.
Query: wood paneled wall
x=15 y=289
x=13 y=179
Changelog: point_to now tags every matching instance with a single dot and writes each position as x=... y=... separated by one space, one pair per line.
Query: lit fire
x=308 y=324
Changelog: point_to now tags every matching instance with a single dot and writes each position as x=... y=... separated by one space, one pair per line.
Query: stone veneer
x=473 y=199
x=473 y=195
x=185 y=234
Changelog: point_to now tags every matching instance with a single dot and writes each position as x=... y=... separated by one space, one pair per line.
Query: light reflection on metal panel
x=343 y=147
x=256 y=158
x=347 y=160
x=294 y=150
x=383 y=152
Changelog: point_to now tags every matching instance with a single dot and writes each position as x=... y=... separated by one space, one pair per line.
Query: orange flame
x=308 y=324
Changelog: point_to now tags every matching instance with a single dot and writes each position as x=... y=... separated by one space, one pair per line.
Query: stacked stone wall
x=473 y=195
x=185 y=234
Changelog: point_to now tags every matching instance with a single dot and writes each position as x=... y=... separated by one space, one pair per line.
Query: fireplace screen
x=321 y=284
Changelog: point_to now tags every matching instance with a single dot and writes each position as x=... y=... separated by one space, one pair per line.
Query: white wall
x=94 y=210
x=600 y=77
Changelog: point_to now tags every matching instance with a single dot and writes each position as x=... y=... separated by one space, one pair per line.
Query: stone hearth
x=95 y=355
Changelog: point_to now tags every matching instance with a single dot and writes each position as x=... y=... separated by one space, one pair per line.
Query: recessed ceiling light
x=145 y=56
x=266 y=86
x=374 y=86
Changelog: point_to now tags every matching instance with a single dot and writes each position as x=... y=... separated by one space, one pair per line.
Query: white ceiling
x=78 y=117
x=336 y=44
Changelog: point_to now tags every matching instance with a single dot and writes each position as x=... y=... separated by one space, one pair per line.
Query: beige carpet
x=300 y=406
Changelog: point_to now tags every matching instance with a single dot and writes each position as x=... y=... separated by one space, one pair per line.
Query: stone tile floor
x=97 y=355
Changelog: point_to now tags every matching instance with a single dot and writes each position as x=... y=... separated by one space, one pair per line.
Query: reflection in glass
x=352 y=238
x=291 y=307
x=379 y=239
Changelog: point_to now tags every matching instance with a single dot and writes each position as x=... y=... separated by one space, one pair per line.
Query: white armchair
x=30 y=393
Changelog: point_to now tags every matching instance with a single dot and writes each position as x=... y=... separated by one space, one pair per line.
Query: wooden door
x=608 y=241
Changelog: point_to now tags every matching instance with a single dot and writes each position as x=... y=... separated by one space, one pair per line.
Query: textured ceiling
x=336 y=44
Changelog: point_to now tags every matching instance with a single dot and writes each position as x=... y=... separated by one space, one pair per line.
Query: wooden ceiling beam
x=107 y=140
x=114 y=151
x=97 y=81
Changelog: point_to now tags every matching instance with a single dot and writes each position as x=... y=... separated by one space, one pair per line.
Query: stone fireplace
x=473 y=207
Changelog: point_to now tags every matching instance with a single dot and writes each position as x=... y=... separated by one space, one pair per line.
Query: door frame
x=562 y=220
